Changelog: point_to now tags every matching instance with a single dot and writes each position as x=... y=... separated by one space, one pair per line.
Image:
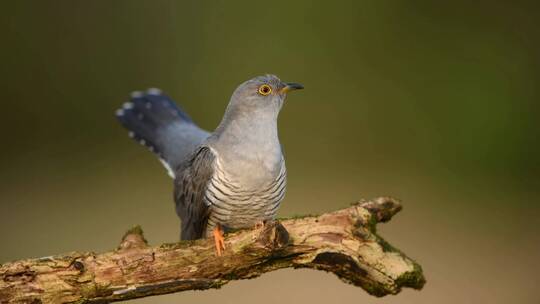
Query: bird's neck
x=250 y=141
x=252 y=131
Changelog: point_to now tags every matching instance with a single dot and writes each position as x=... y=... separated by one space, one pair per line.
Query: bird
x=231 y=178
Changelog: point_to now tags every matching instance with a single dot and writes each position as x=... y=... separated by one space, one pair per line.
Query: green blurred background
x=436 y=103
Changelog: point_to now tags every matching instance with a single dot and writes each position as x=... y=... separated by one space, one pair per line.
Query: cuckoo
x=231 y=178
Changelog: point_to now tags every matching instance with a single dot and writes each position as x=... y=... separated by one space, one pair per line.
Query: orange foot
x=219 y=240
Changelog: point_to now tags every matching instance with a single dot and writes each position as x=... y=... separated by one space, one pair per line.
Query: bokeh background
x=436 y=103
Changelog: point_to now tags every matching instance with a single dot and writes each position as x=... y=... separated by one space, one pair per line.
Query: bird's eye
x=265 y=90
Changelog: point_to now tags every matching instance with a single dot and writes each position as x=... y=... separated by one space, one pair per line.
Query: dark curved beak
x=291 y=86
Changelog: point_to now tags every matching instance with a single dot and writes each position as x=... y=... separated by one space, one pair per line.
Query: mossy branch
x=343 y=242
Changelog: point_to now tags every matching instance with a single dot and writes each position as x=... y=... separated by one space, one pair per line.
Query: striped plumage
x=234 y=177
x=235 y=207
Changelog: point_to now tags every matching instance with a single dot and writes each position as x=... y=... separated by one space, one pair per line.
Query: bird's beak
x=291 y=86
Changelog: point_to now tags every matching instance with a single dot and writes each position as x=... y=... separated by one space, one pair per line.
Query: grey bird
x=232 y=178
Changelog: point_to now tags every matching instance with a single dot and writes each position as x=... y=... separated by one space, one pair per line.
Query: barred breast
x=236 y=206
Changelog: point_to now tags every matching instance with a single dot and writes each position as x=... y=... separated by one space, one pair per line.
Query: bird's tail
x=155 y=121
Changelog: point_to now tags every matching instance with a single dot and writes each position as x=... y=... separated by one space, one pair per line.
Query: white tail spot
x=153 y=91
x=136 y=94
x=120 y=112
x=128 y=105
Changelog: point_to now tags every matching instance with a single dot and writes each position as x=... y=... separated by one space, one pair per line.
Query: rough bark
x=343 y=242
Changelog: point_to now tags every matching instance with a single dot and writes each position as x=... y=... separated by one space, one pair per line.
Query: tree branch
x=343 y=242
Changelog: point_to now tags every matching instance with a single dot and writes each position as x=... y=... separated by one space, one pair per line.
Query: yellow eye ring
x=265 y=90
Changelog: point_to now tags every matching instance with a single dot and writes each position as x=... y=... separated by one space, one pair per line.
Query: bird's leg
x=219 y=240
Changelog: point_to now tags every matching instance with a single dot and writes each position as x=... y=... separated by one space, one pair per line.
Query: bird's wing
x=192 y=179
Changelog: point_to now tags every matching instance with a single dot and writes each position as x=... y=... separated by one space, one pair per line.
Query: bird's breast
x=242 y=198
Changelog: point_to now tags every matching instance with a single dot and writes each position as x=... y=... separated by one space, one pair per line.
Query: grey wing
x=192 y=179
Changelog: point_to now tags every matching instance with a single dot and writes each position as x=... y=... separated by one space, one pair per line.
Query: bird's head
x=261 y=94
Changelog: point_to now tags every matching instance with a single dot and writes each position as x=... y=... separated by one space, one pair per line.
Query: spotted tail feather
x=156 y=122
